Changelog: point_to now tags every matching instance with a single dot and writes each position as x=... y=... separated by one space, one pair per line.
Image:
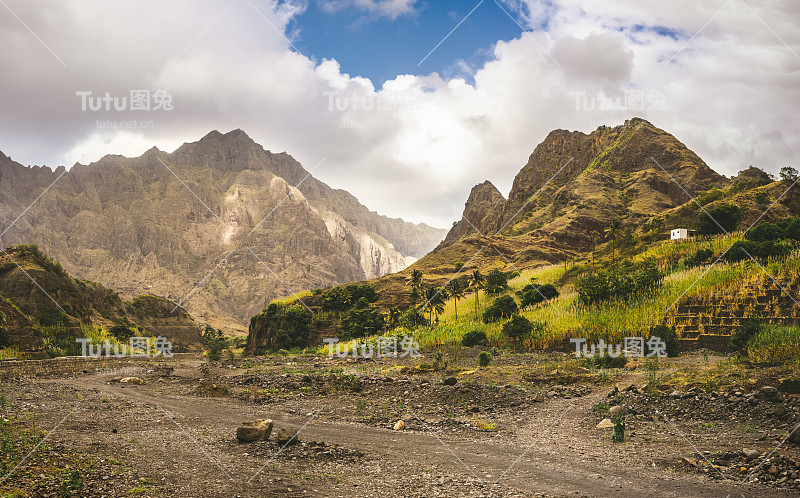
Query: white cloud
x=391 y=9
x=731 y=94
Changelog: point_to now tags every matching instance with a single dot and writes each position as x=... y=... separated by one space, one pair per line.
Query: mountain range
x=220 y=226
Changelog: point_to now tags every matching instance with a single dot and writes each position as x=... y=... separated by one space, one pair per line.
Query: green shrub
x=619 y=283
x=669 y=337
x=700 y=257
x=502 y=307
x=473 y=338
x=363 y=320
x=742 y=336
x=496 y=282
x=533 y=294
x=723 y=218
x=484 y=358
x=517 y=328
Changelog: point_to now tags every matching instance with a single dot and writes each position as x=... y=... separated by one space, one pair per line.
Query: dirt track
x=184 y=445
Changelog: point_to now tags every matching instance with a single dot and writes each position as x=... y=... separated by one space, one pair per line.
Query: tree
x=473 y=338
x=435 y=298
x=534 y=294
x=457 y=292
x=789 y=174
x=363 y=320
x=415 y=281
x=594 y=235
x=721 y=219
x=517 y=328
x=502 y=307
x=478 y=281
x=393 y=317
x=611 y=231
x=496 y=282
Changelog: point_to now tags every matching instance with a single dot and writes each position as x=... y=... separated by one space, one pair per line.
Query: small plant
x=619 y=429
x=600 y=409
x=651 y=367
x=473 y=338
x=484 y=358
x=438 y=361
x=361 y=405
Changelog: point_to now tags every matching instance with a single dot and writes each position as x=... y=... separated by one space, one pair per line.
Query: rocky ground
x=525 y=426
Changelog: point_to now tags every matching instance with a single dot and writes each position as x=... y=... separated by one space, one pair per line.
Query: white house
x=681 y=233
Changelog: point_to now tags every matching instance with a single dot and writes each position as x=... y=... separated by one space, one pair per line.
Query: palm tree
x=393 y=317
x=457 y=292
x=479 y=282
x=415 y=281
x=612 y=230
x=435 y=298
x=594 y=234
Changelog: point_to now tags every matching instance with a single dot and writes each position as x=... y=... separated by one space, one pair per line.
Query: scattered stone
x=795 y=435
x=400 y=425
x=606 y=423
x=770 y=394
x=690 y=461
x=132 y=380
x=256 y=430
x=751 y=454
x=450 y=381
x=286 y=436
x=474 y=409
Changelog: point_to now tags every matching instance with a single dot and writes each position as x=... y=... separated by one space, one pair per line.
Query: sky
x=407 y=104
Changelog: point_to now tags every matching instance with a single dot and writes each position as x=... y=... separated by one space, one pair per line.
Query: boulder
x=751 y=454
x=287 y=437
x=132 y=380
x=769 y=394
x=256 y=430
x=449 y=381
x=616 y=410
x=606 y=423
x=400 y=425
x=794 y=436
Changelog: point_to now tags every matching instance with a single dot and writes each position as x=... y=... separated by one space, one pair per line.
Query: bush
x=741 y=337
x=533 y=294
x=789 y=174
x=605 y=285
x=286 y=326
x=669 y=337
x=496 y=282
x=121 y=332
x=502 y=307
x=698 y=258
x=517 y=328
x=723 y=218
x=484 y=359
x=473 y=338
x=765 y=231
x=363 y=320
x=741 y=250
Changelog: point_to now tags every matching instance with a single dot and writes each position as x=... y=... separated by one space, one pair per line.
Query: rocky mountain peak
x=575 y=182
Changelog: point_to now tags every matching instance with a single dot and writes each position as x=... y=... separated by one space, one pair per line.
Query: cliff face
x=575 y=183
x=220 y=223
